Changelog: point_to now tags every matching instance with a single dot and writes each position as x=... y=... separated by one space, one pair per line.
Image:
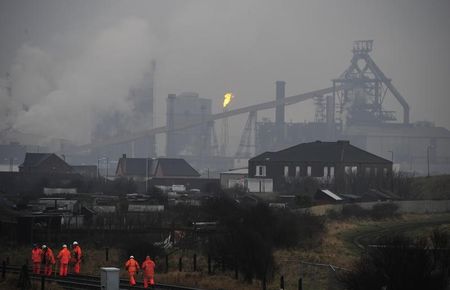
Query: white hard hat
x=75 y=243
x=131 y=257
x=64 y=246
x=44 y=246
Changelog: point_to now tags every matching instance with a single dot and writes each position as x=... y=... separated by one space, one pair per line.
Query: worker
x=148 y=267
x=64 y=258
x=36 y=258
x=132 y=266
x=76 y=256
x=48 y=260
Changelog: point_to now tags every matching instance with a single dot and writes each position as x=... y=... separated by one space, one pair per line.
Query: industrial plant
x=352 y=108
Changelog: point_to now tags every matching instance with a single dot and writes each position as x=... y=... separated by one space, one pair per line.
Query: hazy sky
x=70 y=56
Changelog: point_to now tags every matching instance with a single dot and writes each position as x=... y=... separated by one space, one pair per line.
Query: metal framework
x=366 y=86
x=247 y=145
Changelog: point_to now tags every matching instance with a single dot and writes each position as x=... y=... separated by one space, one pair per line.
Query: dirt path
x=364 y=235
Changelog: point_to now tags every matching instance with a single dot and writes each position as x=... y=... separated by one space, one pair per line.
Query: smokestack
x=170 y=123
x=330 y=111
x=279 y=112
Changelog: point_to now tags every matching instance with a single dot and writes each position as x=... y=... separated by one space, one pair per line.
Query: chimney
x=279 y=112
x=170 y=124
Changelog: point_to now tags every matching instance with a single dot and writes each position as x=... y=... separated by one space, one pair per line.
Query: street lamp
x=428 y=160
x=392 y=170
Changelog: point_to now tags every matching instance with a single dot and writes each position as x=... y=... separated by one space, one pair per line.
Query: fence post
x=209 y=264
x=167 y=263
x=300 y=284
x=180 y=264
x=195 y=262
x=43 y=282
x=223 y=264
x=236 y=270
x=107 y=254
x=264 y=283
x=282 y=282
x=3 y=269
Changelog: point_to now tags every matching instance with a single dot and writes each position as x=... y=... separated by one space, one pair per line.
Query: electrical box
x=109 y=278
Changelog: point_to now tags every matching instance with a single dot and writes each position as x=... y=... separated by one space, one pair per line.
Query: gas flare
x=227 y=99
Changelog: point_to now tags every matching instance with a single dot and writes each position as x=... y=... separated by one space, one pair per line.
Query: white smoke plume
x=67 y=98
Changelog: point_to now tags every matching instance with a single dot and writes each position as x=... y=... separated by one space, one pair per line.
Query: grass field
x=340 y=246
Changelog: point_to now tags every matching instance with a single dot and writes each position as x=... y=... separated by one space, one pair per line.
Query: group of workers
x=148 y=268
x=44 y=256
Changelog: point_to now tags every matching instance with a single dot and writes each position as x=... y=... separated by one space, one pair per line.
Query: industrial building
x=352 y=108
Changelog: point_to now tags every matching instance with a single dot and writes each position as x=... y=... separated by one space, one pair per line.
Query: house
x=233 y=177
x=89 y=171
x=326 y=161
x=141 y=169
x=44 y=163
x=161 y=172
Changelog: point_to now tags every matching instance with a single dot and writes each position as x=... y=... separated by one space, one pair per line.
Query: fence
x=404 y=206
x=310 y=276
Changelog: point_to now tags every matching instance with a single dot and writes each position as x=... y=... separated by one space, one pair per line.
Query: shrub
x=384 y=210
x=402 y=263
x=354 y=210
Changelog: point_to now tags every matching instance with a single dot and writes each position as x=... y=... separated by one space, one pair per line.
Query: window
x=385 y=171
x=375 y=172
x=325 y=172
x=348 y=169
x=260 y=170
x=286 y=171
x=331 y=171
x=309 y=170
x=367 y=171
x=297 y=171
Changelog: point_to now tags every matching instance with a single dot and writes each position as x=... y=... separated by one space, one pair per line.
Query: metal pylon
x=247 y=144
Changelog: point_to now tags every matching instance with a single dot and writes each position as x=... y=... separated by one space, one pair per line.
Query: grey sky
x=245 y=46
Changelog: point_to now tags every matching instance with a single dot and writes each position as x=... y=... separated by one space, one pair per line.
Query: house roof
x=340 y=151
x=236 y=171
x=164 y=166
x=176 y=167
x=137 y=166
x=331 y=194
x=35 y=159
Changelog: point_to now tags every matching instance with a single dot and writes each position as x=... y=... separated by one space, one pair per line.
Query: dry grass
x=334 y=248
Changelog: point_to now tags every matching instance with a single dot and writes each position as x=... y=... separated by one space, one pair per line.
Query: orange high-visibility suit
x=132 y=266
x=36 y=258
x=49 y=261
x=64 y=258
x=148 y=266
x=76 y=256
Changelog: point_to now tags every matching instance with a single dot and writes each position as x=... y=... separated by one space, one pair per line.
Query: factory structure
x=352 y=108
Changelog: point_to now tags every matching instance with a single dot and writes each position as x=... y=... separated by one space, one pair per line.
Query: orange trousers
x=63 y=269
x=48 y=269
x=148 y=280
x=132 y=279
x=37 y=268
x=77 y=267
